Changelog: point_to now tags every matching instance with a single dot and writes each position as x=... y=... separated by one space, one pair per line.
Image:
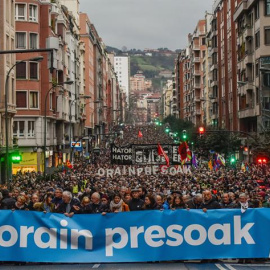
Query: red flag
x=162 y=153
x=184 y=152
x=140 y=134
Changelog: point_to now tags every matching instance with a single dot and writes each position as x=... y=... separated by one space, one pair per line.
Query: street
x=136 y=266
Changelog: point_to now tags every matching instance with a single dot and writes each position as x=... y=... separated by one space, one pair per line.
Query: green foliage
x=221 y=142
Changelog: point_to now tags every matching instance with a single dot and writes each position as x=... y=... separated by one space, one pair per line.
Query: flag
x=140 y=134
x=221 y=160
x=243 y=167
x=194 y=161
x=210 y=166
x=162 y=153
x=69 y=165
x=184 y=152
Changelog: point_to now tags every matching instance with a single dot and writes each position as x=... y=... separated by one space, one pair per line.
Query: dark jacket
x=212 y=204
x=192 y=205
x=8 y=203
x=136 y=204
x=228 y=205
x=63 y=206
x=56 y=201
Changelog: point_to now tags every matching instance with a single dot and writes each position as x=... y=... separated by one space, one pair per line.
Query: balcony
x=214 y=83
x=214 y=66
x=196 y=48
x=248 y=32
x=198 y=112
x=240 y=10
x=197 y=59
x=197 y=85
x=248 y=58
x=248 y=112
x=54 y=9
x=197 y=72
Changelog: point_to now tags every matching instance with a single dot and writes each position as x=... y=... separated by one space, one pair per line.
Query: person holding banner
x=209 y=202
x=118 y=205
x=69 y=206
x=135 y=203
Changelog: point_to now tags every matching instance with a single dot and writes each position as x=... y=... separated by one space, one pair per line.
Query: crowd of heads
x=82 y=191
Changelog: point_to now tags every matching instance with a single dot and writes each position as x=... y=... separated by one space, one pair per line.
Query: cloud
x=145 y=23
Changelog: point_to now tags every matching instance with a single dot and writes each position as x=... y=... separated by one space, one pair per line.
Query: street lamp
x=45 y=119
x=70 y=118
x=35 y=59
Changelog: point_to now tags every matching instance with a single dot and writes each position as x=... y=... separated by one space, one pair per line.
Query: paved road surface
x=139 y=266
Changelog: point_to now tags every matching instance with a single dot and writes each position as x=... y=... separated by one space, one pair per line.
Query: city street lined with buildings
x=134 y=155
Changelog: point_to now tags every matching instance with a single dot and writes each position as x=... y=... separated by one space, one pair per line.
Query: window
x=51 y=101
x=33 y=41
x=33 y=70
x=21 y=128
x=33 y=100
x=31 y=128
x=33 y=13
x=21 y=70
x=21 y=101
x=267 y=35
x=257 y=39
x=267 y=7
x=20 y=40
x=20 y=12
x=257 y=11
x=18 y=128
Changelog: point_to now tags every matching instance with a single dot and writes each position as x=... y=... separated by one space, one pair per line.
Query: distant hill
x=150 y=62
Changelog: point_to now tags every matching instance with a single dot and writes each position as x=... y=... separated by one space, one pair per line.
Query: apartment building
x=122 y=69
x=137 y=83
x=7 y=42
x=253 y=40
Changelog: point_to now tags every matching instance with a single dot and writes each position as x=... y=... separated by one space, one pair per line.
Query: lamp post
x=36 y=59
x=70 y=118
x=45 y=120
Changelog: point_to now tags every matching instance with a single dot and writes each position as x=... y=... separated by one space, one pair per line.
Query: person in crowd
x=34 y=199
x=57 y=200
x=135 y=203
x=7 y=202
x=84 y=207
x=149 y=202
x=95 y=205
x=243 y=203
x=46 y=206
x=160 y=205
x=105 y=204
x=195 y=202
x=118 y=205
x=127 y=197
x=20 y=204
x=69 y=205
x=178 y=203
x=226 y=202
x=209 y=202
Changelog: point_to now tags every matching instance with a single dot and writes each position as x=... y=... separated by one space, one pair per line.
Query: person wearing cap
x=135 y=204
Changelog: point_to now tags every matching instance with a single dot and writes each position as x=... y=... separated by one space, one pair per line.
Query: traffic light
x=246 y=149
x=201 y=131
x=184 y=135
x=15 y=158
x=262 y=160
x=232 y=160
x=167 y=129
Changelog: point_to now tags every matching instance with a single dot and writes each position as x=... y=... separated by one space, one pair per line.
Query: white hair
x=67 y=193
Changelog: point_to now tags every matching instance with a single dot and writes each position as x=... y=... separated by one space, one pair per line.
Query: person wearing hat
x=135 y=204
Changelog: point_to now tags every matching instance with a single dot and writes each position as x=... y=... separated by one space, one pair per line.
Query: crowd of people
x=82 y=191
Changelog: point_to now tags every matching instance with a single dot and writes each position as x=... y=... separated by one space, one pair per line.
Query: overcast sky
x=144 y=24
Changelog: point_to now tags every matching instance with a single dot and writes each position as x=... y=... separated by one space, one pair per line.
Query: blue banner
x=134 y=236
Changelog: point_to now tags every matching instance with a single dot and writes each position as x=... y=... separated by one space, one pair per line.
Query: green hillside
x=151 y=65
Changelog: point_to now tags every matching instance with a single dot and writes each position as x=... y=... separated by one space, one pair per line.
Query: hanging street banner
x=134 y=236
x=144 y=154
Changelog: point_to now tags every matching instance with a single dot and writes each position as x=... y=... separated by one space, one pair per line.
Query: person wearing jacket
x=195 y=202
x=226 y=203
x=135 y=204
x=69 y=205
x=118 y=205
x=209 y=202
